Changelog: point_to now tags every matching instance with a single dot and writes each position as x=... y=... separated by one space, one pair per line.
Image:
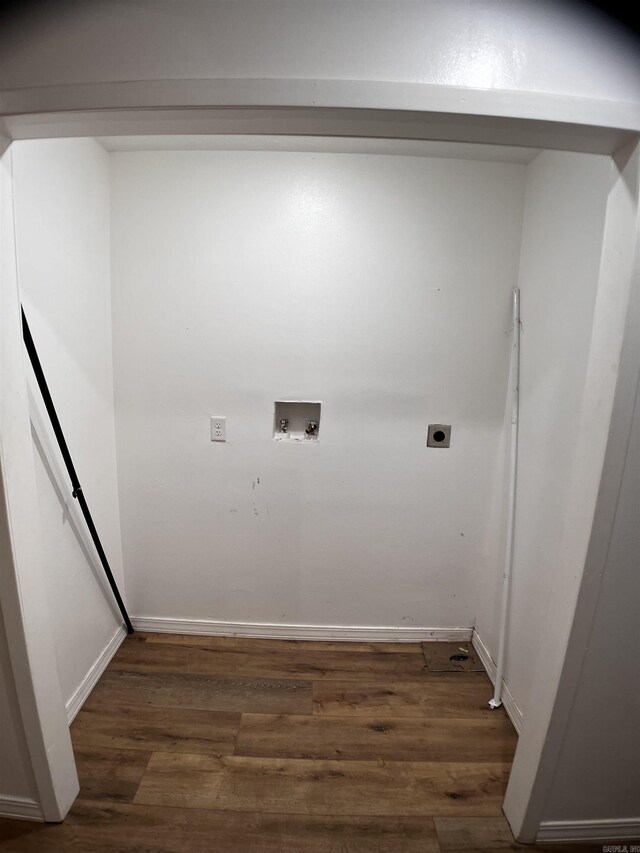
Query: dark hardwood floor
x=222 y=745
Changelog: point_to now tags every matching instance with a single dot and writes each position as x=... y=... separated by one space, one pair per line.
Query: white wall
x=591 y=664
x=564 y=216
x=15 y=767
x=29 y=673
x=601 y=782
x=379 y=285
x=556 y=668
x=16 y=780
x=62 y=199
x=550 y=47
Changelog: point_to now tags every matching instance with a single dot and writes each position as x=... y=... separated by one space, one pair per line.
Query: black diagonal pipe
x=75 y=483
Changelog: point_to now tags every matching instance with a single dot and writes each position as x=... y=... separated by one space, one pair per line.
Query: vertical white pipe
x=511 y=520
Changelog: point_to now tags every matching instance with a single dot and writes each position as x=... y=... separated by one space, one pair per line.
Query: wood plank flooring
x=265 y=663
x=380 y=738
x=228 y=745
x=204 y=693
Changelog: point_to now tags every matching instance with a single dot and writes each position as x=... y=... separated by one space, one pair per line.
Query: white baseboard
x=89 y=681
x=20 y=808
x=623 y=829
x=300 y=632
x=510 y=705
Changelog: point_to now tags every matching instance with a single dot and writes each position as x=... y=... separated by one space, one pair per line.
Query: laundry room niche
x=296 y=420
x=169 y=279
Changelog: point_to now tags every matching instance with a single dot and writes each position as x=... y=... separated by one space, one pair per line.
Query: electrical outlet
x=439 y=435
x=218 y=429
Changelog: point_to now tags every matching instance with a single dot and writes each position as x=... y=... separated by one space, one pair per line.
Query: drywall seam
x=510 y=705
x=300 y=632
x=91 y=678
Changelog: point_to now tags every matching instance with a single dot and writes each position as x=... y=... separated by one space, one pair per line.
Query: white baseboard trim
x=89 y=681
x=20 y=808
x=510 y=705
x=623 y=829
x=300 y=632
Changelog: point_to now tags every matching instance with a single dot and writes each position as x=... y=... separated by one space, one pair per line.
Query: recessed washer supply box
x=296 y=421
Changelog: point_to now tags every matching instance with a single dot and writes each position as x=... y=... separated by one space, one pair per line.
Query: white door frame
x=25 y=613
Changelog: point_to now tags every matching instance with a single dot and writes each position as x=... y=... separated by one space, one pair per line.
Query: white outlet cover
x=218 y=428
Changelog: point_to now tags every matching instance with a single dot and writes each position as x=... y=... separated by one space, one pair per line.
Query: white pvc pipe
x=511 y=521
